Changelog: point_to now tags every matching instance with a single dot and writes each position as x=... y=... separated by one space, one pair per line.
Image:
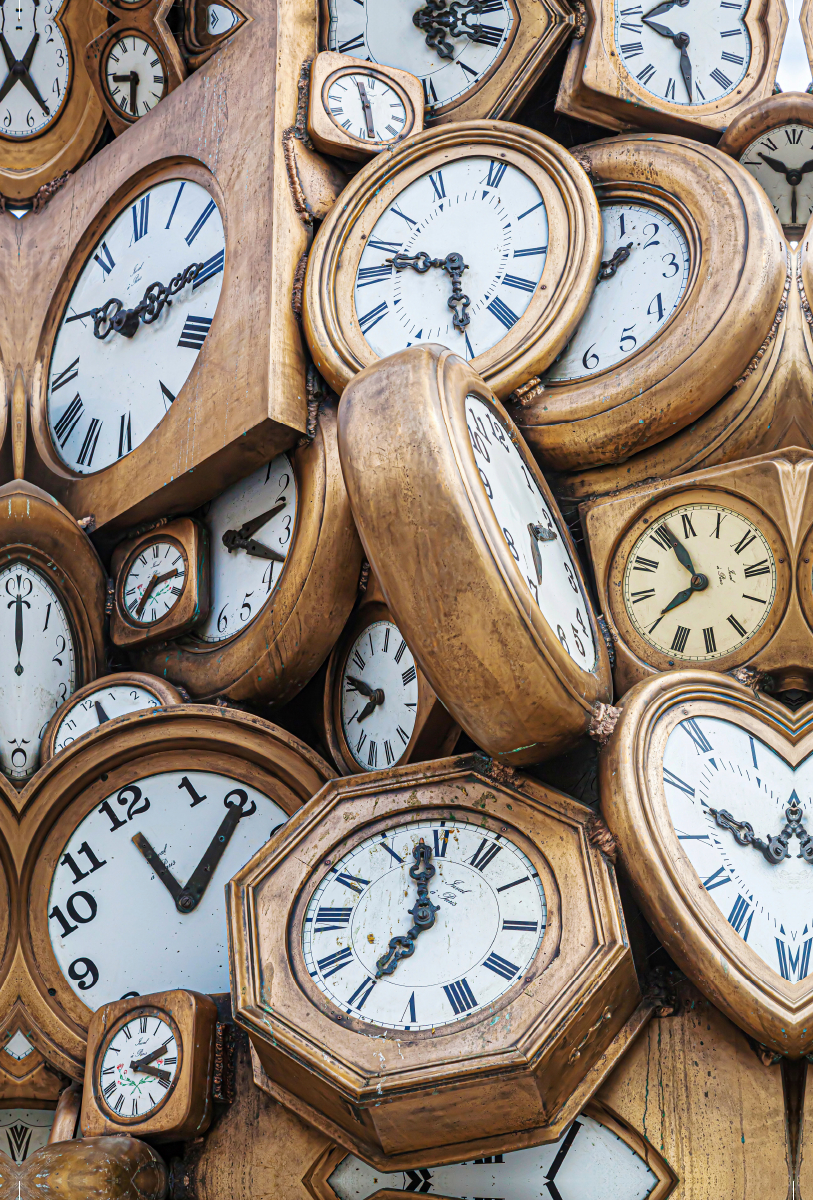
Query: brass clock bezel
x=148 y=1010
x=123 y=570
x=105 y=55
x=327 y=133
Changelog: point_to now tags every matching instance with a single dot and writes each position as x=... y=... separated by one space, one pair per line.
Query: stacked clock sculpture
x=406 y=599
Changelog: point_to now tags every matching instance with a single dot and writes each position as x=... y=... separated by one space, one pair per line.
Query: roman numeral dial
x=366 y=107
x=154 y=581
x=379 y=696
x=780 y=160
x=138 y=1066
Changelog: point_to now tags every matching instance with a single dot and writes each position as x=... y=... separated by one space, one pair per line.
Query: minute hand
x=203 y=872
x=681 y=553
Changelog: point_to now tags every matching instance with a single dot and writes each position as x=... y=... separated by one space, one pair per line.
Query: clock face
x=103 y=878
x=383 y=32
x=138 y=1067
x=682 y=53
x=107 y=393
x=631 y=307
x=379 y=696
x=490 y=921
x=37 y=665
x=35 y=69
x=782 y=161
x=588 y=1162
x=135 y=75
x=97 y=707
x=490 y=213
x=366 y=107
x=710 y=764
x=699 y=583
x=24 y=1130
x=154 y=581
x=242 y=579
x=531 y=533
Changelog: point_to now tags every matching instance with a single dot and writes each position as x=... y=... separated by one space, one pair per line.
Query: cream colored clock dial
x=366 y=107
x=699 y=583
x=134 y=75
x=379 y=696
x=782 y=161
x=154 y=582
x=127 y=1089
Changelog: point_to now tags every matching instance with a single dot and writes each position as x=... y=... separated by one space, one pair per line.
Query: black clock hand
x=368 y=112
x=18 y=602
x=8 y=53
x=682 y=41
x=361 y=686
x=776 y=848
x=422 y=912
x=681 y=553
x=138 y=1064
x=665 y=7
x=161 y=869
x=150 y=588
x=683 y=596
x=539 y=533
x=661 y=29
x=113 y=317
x=453 y=265
x=132 y=78
x=249 y=528
x=25 y=78
x=156 y=1072
x=201 y=876
x=233 y=540
x=100 y=713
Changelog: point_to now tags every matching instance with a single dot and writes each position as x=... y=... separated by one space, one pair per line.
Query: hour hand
x=361 y=686
x=661 y=29
x=775 y=164
x=249 y=528
x=138 y=1064
x=665 y=7
x=161 y=869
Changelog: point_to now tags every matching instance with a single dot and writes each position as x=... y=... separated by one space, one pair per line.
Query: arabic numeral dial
x=379 y=701
x=138 y=1066
x=36 y=70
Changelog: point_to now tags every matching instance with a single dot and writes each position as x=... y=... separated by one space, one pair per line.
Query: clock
x=284 y=567
x=705 y=781
x=356 y=111
x=471 y=63
x=773 y=139
x=121 y=353
x=100 y=701
x=149 y=1067
x=164 y=806
x=680 y=70
x=448 y=493
x=379 y=708
x=483 y=237
x=40 y=60
x=127 y=65
x=52 y=594
x=162 y=583
x=426 y=909
x=113 y=1167
x=662 y=339
x=208 y=24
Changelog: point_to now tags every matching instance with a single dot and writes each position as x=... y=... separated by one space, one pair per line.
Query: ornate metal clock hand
x=698 y=584
x=609 y=266
x=435 y=21
x=663 y=30
x=113 y=317
x=775 y=164
x=422 y=912
x=18 y=602
x=454 y=266
x=368 y=112
x=776 y=848
x=375 y=696
x=682 y=555
x=665 y=7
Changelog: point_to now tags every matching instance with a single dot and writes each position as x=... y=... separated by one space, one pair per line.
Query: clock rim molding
x=331 y=325
x=191 y=539
x=427 y=469
x=565 y=1037
x=328 y=135
x=692 y=929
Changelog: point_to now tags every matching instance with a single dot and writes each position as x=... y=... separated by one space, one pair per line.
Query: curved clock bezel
x=121 y=579
x=392 y=82
x=149 y=1010
x=127 y=117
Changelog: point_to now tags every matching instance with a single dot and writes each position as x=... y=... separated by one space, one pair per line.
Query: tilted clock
x=446 y=492
x=103 y=700
x=417 y=978
x=356 y=111
x=162 y=583
x=207 y=25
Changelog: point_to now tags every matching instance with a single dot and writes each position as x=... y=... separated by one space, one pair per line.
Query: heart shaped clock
x=708 y=786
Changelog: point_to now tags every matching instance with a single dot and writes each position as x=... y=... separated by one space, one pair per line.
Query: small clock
x=356 y=111
x=104 y=700
x=149 y=1067
x=134 y=75
x=162 y=583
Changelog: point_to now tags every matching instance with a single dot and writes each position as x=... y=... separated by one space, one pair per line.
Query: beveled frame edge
x=785 y=108
x=191 y=538
x=129 y=1124
x=327 y=134
x=331 y=324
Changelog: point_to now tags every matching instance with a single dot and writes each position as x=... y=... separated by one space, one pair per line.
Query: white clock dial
x=35 y=68
x=717 y=571
x=489 y=212
x=127 y=1090
x=105 y=886
x=588 y=1162
x=94 y=709
x=154 y=582
x=384 y=32
x=135 y=75
x=489 y=925
x=366 y=107
x=531 y=533
x=379 y=696
x=630 y=307
x=782 y=161
x=37 y=667
x=106 y=395
x=242 y=580
x=684 y=53
x=714 y=764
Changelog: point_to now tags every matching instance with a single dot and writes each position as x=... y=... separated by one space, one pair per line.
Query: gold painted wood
x=596 y=85
x=331 y=322
x=486 y=1085
x=428 y=531
x=191 y=540
x=104 y=1168
x=328 y=134
x=738 y=264
x=200 y=41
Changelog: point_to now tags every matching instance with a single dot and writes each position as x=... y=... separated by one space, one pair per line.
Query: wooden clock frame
x=328 y=134
x=191 y=540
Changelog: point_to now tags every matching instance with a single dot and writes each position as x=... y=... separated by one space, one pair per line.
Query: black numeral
x=501 y=966
x=331 y=918
x=105 y=259
x=212 y=266
x=62 y=377
x=362 y=993
x=680 y=639
x=484 y=854
x=194 y=331
x=141 y=217
x=351 y=881
x=735 y=624
x=460 y=996
x=201 y=221
x=66 y=424
x=332 y=963
x=88 y=449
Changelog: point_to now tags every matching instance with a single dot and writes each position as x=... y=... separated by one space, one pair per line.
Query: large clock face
x=383 y=32
x=119 y=916
x=125 y=1089
x=379 y=696
x=633 y=304
x=700 y=582
x=93 y=710
x=37 y=667
x=490 y=921
x=107 y=393
x=782 y=161
x=263 y=507
x=712 y=764
x=531 y=533
x=35 y=68
x=487 y=211
x=684 y=53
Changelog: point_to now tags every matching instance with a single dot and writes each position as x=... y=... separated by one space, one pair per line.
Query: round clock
x=134 y=75
x=100 y=701
x=356 y=111
x=121 y=352
x=38 y=67
x=162 y=583
x=448 y=493
x=483 y=237
x=138 y=1064
x=153 y=581
x=663 y=338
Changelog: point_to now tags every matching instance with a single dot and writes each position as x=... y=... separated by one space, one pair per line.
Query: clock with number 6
x=446 y=492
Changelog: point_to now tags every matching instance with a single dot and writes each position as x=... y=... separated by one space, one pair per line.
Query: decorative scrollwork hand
x=453 y=265
x=113 y=317
x=422 y=912
x=777 y=848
